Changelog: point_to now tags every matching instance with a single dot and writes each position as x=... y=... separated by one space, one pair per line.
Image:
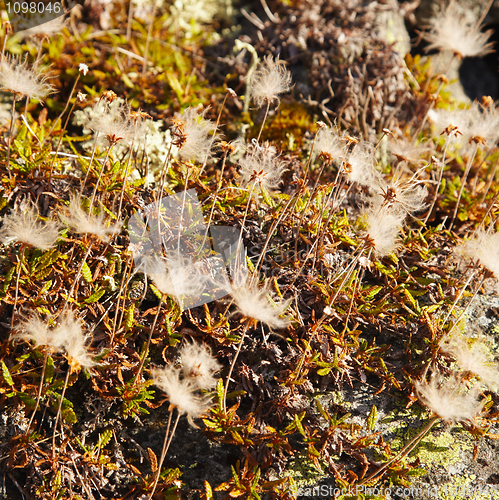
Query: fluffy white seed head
x=16 y=77
x=114 y=123
x=329 y=145
x=177 y=276
x=360 y=165
x=199 y=365
x=474 y=356
x=449 y=399
x=182 y=393
x=253 y=302
x=194 y=135
x=383 y=225
x=483 y=247
x=261 y=167
x=75 y=341
x=450 y=30
x=270 y=79
x=36 y=330
x=474 y=124
x=409 y=194
x=79 y=221
x=22 y=225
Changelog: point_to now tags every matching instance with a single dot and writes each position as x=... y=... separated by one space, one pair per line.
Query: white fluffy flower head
x=383 y=226
x=261 y=167
x=79 y=221
x=484 y=247
x=17 y=78
x=270 y=79
x=199 y=365
x=473 y=357
x=36 y=330
x=75 y=341
x=451 y=31
x=448 y=398
x=182 y=393
x=252 y=302
x=193 y=135
x=22 y=225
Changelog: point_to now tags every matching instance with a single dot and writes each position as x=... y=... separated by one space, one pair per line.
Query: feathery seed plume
x=329 y=145
x=474 y=358
x=261 y=166
x=252 y=302
x=199 y=365
x=270 y=79
x=193 y=135
x=483 y=247
x=16 y=78
x=182 y=393
x=79 y=221
x=383 y=226
x=451 y=31
x=360 y=164
x=36 y=330
x=178 y=276
x=75 y=342
x=448 y=398
x=22 y=226
x=114 y=124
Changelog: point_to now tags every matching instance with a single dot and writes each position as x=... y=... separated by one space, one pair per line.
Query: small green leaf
x=323 y=371
x=45 y=287
x=86 y=273
x=69 y=415
x=372 y=418
x=95 y=296
x=105 y=437
x=6 y=374
x=129 y=317
x=49 y=369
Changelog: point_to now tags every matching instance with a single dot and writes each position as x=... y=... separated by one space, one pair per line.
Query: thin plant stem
x=99 y=178
x=166 y=445
x=324 y=315
x=309 y=201
x=143 y=357
x=77 y=277
x=234 y=359
x=66 y=380
x=240 y=240
x=403 y=452
x=217 y=123
x=21 y=260
x=12 y=113
x=129 y=22
x=437 y=187
x=264 y=120
x=490 y=181
x=148 y=39
x=40 y=388
x=122 y=194
x=215 y=196
x=60 y=140
x=64 y=110
x=89 y=163
x=128 y=267
x=463 y=182
x=270 y=233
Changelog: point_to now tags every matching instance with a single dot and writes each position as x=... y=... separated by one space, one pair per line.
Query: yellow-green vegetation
x=274 y=227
